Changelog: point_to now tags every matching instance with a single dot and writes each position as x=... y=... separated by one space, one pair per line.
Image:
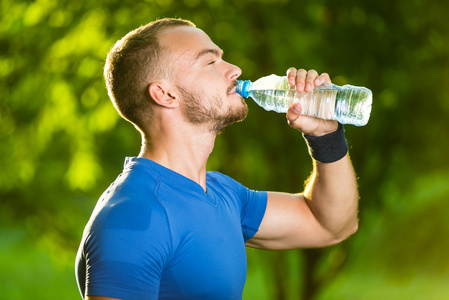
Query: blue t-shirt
x=156 y=234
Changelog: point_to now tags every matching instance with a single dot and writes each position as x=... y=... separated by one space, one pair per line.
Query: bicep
x=289 y=223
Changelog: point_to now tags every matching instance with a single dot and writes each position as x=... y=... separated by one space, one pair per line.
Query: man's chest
x=209 y=257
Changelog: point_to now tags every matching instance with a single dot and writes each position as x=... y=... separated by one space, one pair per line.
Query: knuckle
x=292 y=124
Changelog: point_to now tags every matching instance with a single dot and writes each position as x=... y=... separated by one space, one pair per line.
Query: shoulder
x=220 y=178
x=226 y=185
x=126 y=199
x=127 y=223
x=129 y=203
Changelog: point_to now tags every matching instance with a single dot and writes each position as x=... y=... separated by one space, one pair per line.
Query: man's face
x=206 y=83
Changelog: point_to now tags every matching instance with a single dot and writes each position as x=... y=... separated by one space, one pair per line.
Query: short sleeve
x=253 y=210
x=118 y=267
x=124 y=251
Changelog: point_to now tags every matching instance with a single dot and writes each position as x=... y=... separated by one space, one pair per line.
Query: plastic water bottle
x=347 y=104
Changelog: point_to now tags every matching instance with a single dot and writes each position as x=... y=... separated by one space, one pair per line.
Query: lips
x=231 y=89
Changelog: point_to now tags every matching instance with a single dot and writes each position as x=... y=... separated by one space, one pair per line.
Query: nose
x=233 y=72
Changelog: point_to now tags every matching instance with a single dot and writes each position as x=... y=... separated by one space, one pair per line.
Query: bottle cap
x=243 y=88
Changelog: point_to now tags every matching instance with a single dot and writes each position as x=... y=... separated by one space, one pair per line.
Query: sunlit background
x=62 y=143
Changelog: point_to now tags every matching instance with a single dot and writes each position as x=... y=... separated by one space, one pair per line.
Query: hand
x=305 y=81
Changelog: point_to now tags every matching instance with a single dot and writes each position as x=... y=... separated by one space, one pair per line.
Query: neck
x=184 y=151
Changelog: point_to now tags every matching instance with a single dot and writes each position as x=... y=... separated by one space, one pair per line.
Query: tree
x=63 y=143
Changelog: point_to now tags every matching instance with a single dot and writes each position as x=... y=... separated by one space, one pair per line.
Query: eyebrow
x=215 y=52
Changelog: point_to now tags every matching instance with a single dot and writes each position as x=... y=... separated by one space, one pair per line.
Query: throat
x=186 y=159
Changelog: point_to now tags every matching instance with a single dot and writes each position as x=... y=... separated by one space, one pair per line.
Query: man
x=166 y=228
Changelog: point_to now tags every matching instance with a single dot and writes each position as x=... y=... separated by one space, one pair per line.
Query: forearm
x=326 y=212
x=331 y=193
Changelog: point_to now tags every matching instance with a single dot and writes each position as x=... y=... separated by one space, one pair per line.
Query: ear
x=160 y=93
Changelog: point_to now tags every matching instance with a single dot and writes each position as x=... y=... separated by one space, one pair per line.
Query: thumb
x=293 y=113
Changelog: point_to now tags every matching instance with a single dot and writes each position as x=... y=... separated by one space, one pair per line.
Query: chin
x=242 y=112
x=234 y=115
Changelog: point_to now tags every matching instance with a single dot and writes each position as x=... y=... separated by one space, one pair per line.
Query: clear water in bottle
x=319 y=103
x=347 y=104
x=353 y=105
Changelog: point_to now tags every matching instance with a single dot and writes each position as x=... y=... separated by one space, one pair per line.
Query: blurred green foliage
x=62 y=143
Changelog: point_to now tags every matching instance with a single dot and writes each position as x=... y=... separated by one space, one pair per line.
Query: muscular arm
x=326 y=213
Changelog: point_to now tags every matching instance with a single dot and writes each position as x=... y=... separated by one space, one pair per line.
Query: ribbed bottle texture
x=347 y=104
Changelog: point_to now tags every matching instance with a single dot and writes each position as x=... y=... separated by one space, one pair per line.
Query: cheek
x=206 y=84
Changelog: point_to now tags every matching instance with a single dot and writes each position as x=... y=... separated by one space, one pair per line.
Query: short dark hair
x=132 y=64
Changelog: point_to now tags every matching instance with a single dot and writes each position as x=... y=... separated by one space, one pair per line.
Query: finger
x=291 y=75
x=312 y=75
x=323 y=78
x=300 y=80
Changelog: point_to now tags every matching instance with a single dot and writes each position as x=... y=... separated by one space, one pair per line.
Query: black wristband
x=328 y=148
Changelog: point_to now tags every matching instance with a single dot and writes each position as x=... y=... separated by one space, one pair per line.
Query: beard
x=197 y=113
